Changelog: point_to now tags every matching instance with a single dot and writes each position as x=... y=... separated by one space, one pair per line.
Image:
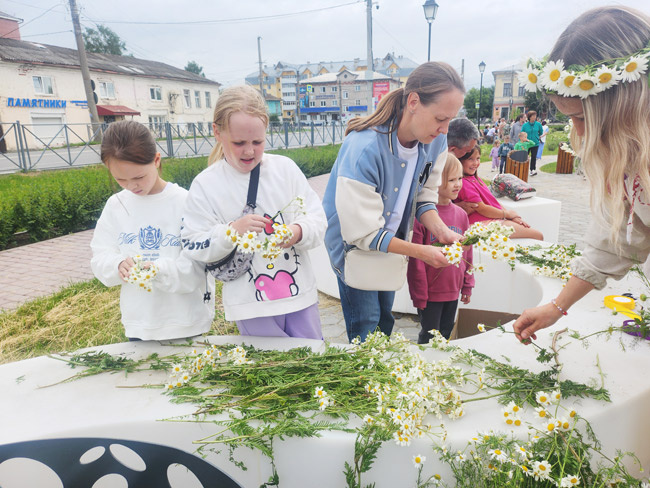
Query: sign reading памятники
x=35 y=102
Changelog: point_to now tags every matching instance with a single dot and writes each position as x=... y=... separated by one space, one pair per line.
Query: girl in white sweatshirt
x=272 y=298
x=137 y=244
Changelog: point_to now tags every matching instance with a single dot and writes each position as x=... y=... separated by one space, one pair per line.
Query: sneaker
x=533 y=173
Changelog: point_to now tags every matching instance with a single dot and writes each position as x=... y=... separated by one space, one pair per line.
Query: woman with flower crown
x=597 y=74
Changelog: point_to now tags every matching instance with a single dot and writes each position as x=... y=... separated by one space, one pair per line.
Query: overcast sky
x=221 y=35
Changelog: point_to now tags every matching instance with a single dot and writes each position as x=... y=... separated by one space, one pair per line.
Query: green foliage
x=313 y=161
x=54 y=203
x=103 y=40
x=487 y=100
x=193 y=67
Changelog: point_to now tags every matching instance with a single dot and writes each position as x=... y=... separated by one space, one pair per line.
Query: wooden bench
x=518 y=164
x=564 y=164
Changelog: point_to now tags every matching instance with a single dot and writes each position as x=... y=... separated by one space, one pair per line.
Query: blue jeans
x=365 y=310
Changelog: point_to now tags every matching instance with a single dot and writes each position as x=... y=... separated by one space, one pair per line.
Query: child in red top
x=435 y=291
x=474 y=190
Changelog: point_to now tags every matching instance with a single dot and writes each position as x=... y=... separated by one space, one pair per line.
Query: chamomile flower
x=541 y=470
x=563 y=424
x=634 y=67
x=566 y=86
x=568 y=481
x=529 y=78
x=607 y=77
x=550 y=76
x=586 y=85
x=522 y=452
x=177 y=368
x=418 y=460
x=498 y=455
x=543 y=398
x=319 y=392
x=481 y=327
x=556 y=395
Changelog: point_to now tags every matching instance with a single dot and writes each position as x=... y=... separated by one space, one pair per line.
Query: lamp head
x=430 y=10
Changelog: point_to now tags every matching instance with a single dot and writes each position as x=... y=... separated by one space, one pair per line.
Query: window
x=345 y=95
x=522 y=91
x=208 y=100
x=187 y=98
x=335 y=103
x=43 y=85
x=335 y=88
x=357 y=87
x=312 y=103
x=357 y=102
x=322 y=89
x=157 y=125
x=155 y=93
x=106 y=89
x=323 y=103
x=507 y=89
x=197 y=99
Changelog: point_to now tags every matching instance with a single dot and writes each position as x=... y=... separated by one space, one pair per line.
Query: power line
x=227 y=21
x=30 y=21
x=46 y=33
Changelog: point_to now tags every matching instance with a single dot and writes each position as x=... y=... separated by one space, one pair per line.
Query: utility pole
x=370 y=62
x=298 y=97
x=83 y=64
x=259 y=60
x=370 y=67
x=462 y=70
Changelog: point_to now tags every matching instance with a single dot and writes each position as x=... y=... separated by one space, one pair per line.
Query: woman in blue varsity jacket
x=387 y=173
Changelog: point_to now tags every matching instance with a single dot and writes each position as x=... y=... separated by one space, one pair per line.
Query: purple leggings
x=304 y=323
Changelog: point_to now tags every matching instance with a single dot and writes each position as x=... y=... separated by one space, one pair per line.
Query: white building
x=342 y=95
x=41 y=87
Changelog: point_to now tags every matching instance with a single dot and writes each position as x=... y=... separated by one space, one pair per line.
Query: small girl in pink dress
x=475 y=191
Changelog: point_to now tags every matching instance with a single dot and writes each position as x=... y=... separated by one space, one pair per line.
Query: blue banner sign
x=35 y=102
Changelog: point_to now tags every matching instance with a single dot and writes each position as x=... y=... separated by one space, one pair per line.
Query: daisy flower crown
x=583 y=81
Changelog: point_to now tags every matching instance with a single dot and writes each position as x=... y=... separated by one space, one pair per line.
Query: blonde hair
x=429 y=80
x=452 y=163
x=616 y=142
x=234 y=99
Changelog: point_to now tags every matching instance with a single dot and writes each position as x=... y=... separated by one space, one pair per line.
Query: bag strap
x=252 y=186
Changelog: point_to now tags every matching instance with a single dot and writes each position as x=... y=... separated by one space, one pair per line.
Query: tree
x=487 y=100
x=103 y=41
x=193 y=67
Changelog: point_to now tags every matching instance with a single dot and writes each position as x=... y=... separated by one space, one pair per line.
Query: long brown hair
x=616 y=141
x=130 y=141
x=429 y=80
x=241 y=98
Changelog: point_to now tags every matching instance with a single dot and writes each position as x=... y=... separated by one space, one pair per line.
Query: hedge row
x=39 y=206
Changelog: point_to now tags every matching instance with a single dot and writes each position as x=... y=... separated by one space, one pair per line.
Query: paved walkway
x=39 y=269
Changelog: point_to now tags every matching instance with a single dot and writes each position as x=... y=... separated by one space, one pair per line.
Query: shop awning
x=115 y=110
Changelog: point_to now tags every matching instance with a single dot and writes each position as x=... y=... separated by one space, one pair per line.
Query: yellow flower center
x=605 y=77
x=568 y=81
x=631 y=66
x=532 y=77
x=554 y=75
x=586 y=85
x=542 y=467
x=550 y=427
x=574 y=481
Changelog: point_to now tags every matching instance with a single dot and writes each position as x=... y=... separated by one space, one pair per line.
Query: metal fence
x=25 y=147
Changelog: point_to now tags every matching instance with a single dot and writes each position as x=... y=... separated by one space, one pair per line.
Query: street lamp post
x=430 y=9
x=481 y=68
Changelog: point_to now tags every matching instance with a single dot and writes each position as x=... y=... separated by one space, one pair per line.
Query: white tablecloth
x=100 y=406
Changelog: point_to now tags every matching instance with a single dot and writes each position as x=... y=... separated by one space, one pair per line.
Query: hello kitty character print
x=275 y=284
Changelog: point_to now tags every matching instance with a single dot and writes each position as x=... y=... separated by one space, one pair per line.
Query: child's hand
x=250 y=222
x=124 y=268
x=449 y=236
x=465 y=299
x=297 y=236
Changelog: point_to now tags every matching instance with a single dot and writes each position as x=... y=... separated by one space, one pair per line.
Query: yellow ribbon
x=622 y=304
